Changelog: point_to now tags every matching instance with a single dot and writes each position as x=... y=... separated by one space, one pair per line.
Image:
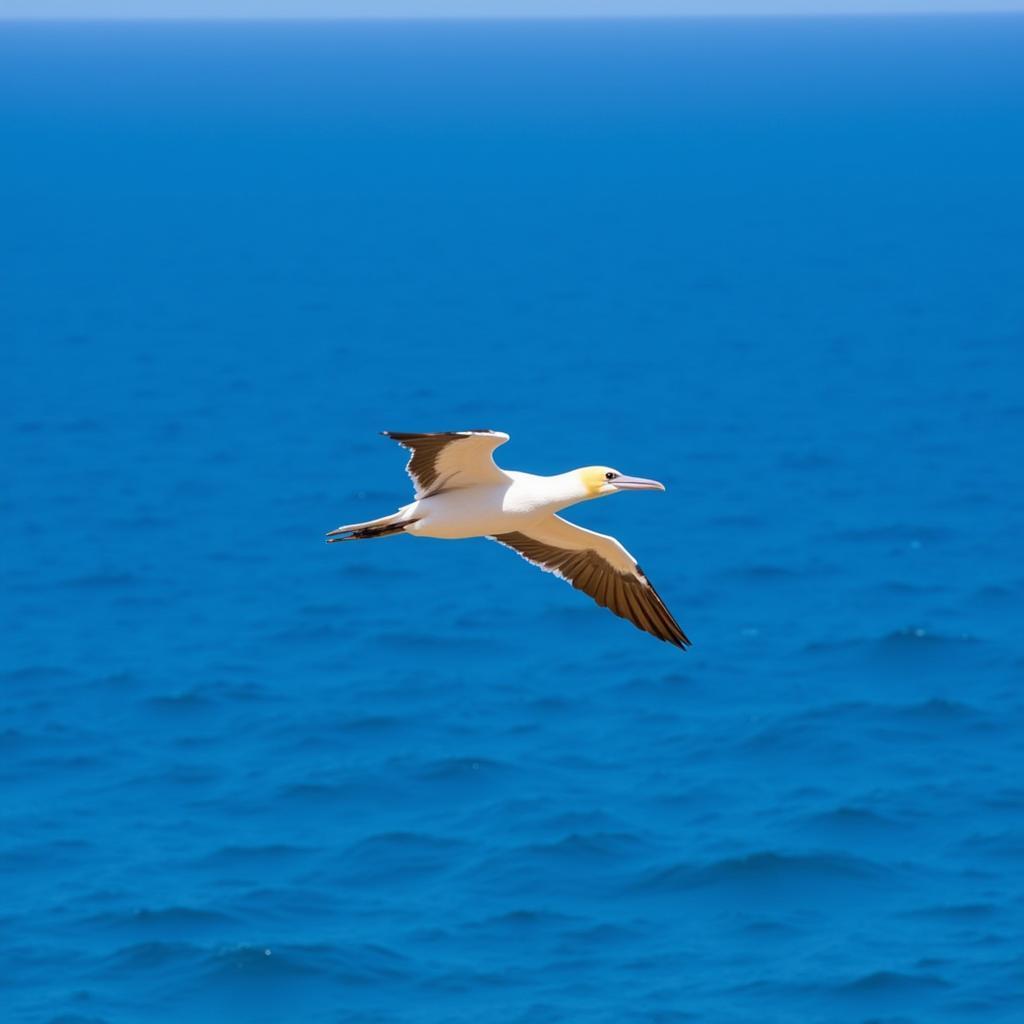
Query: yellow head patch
x=595 y=479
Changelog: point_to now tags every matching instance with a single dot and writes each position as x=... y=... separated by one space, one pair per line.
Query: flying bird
x=461 y=492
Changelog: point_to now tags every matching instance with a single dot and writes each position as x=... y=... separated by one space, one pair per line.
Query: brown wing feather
x=425 y=449
x=430 y=465
x=628 y=595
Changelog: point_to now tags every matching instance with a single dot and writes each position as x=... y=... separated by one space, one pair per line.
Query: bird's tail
x=386 y=526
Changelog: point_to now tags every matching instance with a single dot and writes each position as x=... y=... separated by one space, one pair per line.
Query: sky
x=478 y=8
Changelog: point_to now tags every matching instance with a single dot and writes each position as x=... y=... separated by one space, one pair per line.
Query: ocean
x=250 y=777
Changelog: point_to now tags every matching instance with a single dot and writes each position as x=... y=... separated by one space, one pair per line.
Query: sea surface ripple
x=251 y=778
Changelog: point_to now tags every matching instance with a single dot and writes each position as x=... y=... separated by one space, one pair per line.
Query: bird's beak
x=636 y=483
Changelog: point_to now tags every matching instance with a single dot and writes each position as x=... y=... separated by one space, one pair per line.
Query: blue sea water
x=249 y=777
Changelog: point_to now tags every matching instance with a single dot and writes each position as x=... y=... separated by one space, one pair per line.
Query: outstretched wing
x=601 y=567
x=456 y=458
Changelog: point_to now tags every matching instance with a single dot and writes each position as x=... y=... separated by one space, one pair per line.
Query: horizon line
x=508 y=18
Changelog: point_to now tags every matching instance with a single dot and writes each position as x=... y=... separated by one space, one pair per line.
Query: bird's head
x=600 y=481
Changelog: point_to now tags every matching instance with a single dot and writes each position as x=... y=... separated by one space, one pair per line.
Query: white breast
x=486 y=511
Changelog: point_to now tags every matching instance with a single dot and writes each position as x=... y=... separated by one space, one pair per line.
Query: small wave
x=907 y=642
x=259 y=962
x=366 y=964
x=894 y=983
x=166 y=921
x=153 y=955
x=938 y=709
x=280 y=902
x=184 y=701
x=469 y=981
x=181 y=916
x=398 y=857
x=808 y=730
x=840 y=645
x=550 y=705
x=103 y=581
x=1007 y=798
x=852 y=819
x=994 y=594
x=122 y=678
x=918 y=639
x=953 y=912
x=589 y=846
x=60 y=852
x=267 y=855
x=576 y=821
x=1009 y=845
x=766 y=868
x=372 y=724
x=386 y=843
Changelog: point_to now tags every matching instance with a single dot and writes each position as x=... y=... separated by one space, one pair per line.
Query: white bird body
x=461 y=493
x=489 y=509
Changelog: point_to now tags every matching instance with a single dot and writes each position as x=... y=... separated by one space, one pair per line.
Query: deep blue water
x=250 y=777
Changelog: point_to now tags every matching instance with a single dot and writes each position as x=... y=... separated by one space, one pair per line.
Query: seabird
x=461 y=492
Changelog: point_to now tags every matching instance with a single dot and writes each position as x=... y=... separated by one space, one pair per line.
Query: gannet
x=460 y=492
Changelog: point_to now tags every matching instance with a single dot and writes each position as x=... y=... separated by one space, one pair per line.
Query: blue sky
x=477 y=8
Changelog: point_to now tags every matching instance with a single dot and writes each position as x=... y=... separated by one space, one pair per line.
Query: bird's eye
x=610 y=476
